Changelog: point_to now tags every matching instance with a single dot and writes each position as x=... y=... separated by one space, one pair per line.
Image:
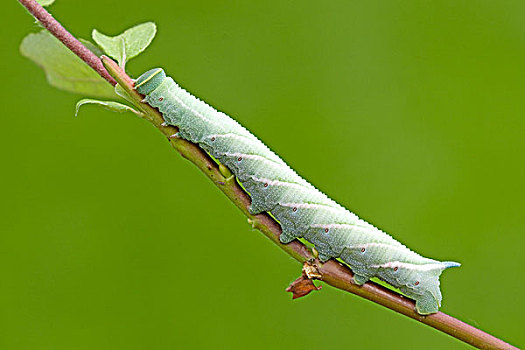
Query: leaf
x=302 y=287
x=45 y=2
x=119 y=90
x=304 y=284
x=64 y=70
x=109 y=105
x=92 y=47
x=127 y=45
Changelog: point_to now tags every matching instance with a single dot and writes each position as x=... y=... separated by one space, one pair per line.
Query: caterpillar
x=301 y=209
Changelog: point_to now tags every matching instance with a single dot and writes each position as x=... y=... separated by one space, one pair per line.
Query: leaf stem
x=333 y=273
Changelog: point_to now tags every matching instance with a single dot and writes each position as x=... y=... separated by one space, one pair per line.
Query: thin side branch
x=55 y=28
x=333 y=273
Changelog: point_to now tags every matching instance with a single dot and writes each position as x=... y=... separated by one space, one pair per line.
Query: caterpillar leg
x=360 y=279
x=324 y=257
x=426 y=304
x=286 y=237
x=255 y=208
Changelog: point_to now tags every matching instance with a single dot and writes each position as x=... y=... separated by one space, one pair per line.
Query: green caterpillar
x=301 y=209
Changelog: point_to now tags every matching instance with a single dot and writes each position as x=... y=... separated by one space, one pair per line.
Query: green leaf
x=109 y=105
x=45 y=2
x=119 y=90
x=92 y=47
x=127 y=45
x=63 y=68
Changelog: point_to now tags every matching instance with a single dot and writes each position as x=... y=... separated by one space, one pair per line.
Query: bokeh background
x=410 y=113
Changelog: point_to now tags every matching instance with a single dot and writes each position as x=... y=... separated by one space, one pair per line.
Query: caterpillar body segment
x=301 y=209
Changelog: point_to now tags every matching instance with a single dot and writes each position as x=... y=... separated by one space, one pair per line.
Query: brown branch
x=333 y=273
x=55 y=28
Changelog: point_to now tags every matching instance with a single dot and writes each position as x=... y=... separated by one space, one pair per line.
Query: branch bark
x=333 y=272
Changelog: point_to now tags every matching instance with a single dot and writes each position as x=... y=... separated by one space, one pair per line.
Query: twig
x=55 y=28
x=333 y=273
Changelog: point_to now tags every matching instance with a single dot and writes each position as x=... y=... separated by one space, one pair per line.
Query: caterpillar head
x=149 y=81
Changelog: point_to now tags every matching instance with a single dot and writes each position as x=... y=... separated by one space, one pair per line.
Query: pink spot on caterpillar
x=294 y=209
x=161 y=99
x=363 y=250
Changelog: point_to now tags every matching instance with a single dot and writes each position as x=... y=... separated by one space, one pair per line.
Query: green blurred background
x=410 y=113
